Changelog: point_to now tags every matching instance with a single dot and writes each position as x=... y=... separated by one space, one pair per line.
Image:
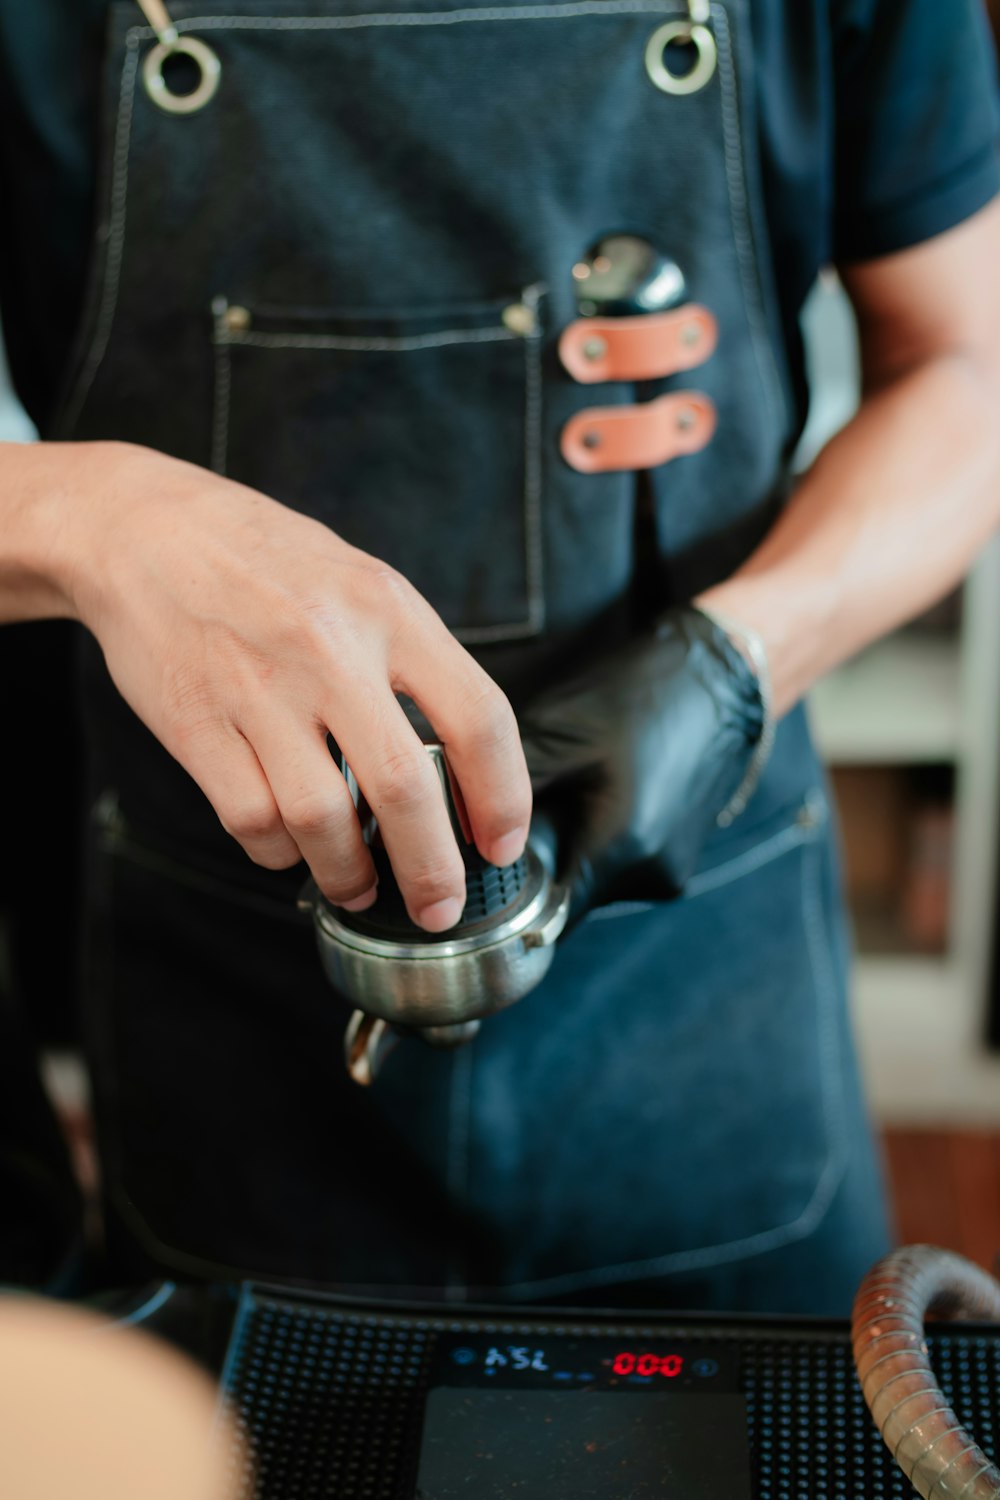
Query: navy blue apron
x=342 y=280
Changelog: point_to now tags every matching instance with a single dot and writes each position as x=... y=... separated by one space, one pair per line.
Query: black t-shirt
x=877 y=121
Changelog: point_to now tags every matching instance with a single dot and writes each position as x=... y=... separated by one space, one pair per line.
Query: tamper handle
x=455 y=803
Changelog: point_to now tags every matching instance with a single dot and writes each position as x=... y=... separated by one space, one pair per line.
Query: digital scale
x=344 y=1400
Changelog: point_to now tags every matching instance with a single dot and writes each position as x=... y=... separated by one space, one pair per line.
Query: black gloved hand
x=634 y=760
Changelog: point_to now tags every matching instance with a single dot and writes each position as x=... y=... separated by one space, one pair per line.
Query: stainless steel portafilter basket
x=439 y=986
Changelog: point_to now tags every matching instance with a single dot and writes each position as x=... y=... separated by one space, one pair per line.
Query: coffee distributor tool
x=437 y=986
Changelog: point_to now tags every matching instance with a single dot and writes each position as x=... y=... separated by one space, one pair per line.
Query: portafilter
x=438 y=986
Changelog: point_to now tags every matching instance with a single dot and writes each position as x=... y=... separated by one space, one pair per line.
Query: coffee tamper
x=438 y=986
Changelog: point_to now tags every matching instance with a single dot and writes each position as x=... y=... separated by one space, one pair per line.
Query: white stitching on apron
x=224 y=368
x=768 y=849
x=116 y=236
x=420 y=18
x=126 y=100
x=374 y=345
x=834 y=1167
x=740 y=215
x=532 y=495
x=534 y=563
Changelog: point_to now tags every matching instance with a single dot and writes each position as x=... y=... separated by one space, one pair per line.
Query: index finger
x=475 y=722
x=394 y=771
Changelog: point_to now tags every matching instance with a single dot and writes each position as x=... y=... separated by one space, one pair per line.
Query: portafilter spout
x=439 y=986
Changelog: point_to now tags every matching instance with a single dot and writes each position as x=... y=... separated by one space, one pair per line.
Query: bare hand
x=241 y=633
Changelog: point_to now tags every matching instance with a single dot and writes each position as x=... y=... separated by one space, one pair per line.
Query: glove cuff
x=751 y=646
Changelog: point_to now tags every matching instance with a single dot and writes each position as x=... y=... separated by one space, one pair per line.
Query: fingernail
x=360 y=903
x=504 y=851
x=441 y=915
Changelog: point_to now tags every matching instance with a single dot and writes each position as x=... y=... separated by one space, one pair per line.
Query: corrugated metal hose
x=937 y=1455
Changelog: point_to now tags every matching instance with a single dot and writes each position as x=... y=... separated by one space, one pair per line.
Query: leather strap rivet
x=595 y=348
x=591 y=439
x=685 y=420
x=690 y=334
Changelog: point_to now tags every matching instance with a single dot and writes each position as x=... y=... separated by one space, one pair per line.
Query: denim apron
x=342 y=280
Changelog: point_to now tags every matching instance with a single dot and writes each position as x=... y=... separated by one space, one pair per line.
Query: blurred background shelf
x=916 y=712
x=898 y=702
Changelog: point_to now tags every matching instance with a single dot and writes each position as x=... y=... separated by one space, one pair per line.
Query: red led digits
x=627 y=1363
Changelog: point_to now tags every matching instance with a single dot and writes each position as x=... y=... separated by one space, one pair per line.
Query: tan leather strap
x=637 y=437
x=641 y=348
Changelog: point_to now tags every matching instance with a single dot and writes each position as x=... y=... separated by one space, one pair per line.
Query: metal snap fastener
x=209 y=73
x=591 y=439
x=681 y=34
x=685 y=420
x=594 y=348
x=690 y=334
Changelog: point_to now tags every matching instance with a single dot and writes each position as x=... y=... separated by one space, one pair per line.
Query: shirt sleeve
x=918 y=123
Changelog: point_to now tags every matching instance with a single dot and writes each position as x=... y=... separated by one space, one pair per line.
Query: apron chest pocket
x=415 y=435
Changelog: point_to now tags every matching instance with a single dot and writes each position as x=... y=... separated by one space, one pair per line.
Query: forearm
x=35 y=492
x=887 y=520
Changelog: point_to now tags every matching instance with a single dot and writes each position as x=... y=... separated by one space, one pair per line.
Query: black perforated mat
x=330 y=1396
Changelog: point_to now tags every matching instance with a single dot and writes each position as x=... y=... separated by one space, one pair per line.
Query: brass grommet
x=201 y=54
x=681 y=33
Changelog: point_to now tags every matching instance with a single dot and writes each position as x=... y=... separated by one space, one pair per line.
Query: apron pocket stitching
x=420 y=18
x=361 y=345
x=120 y=846
x=809 y=821
x=829 y=1175
x=105 y=1055
x=531 y=497
x=770 y=848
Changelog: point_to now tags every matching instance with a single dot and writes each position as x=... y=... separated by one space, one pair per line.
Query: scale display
x=566 y=1363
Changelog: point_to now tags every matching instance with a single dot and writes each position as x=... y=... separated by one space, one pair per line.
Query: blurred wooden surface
x=945 y=1189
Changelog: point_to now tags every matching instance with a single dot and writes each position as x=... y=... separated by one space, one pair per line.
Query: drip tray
x=340 y=1400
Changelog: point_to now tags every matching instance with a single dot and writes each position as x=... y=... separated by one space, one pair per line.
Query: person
x=324 y=444
x=105 y=1409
